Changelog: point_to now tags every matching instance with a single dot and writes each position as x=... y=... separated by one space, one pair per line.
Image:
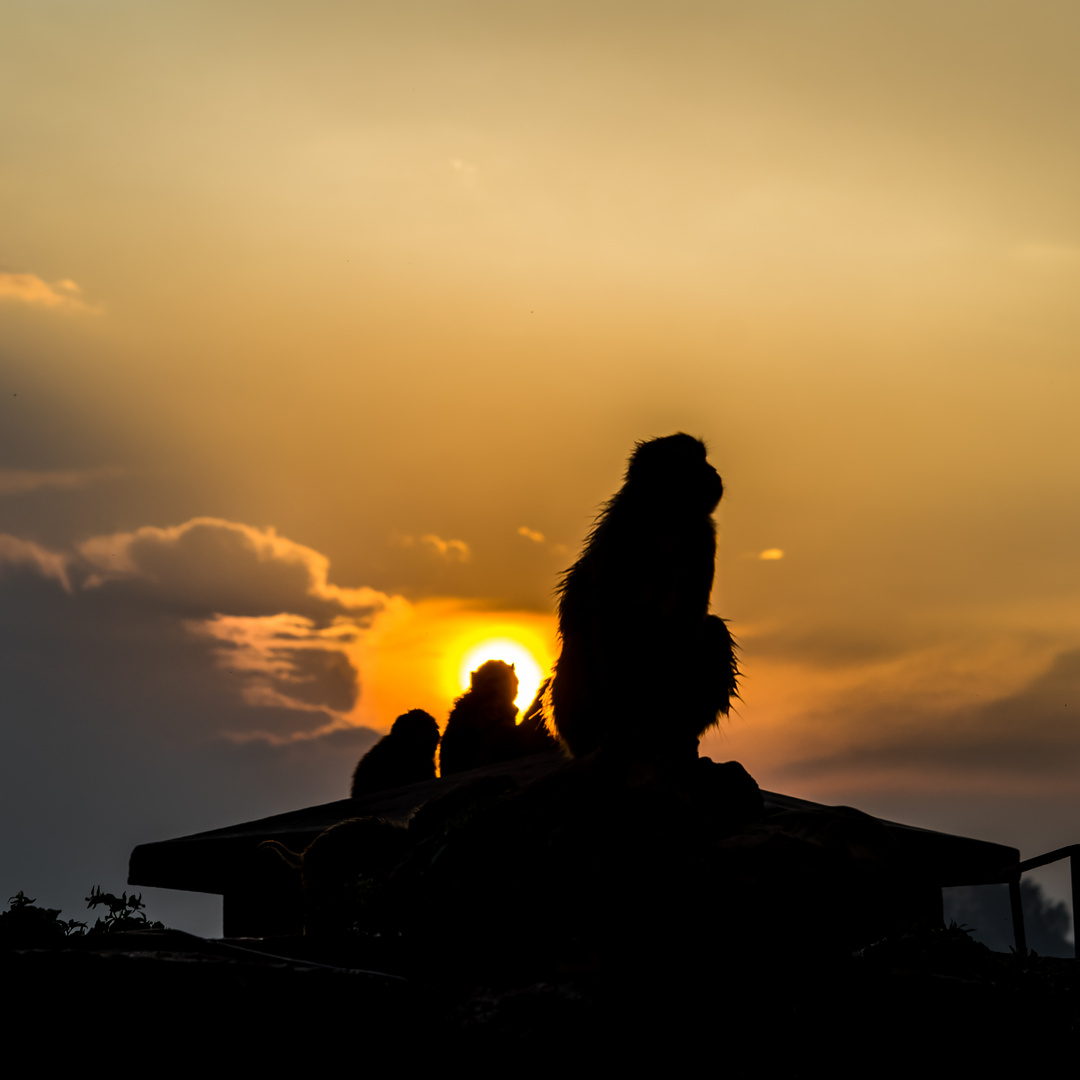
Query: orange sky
x=384 y=294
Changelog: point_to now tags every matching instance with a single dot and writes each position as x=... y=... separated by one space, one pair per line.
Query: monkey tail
x=287 y=856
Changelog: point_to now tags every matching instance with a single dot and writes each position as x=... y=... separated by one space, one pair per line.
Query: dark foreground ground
x=604 y=917
x=931 y=1000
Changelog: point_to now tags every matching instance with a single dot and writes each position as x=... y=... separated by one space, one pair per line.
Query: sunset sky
x=326 y=328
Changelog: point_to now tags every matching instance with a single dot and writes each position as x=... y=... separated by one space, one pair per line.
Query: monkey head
x=418 y=728
x=496 y=678
x=673 y=472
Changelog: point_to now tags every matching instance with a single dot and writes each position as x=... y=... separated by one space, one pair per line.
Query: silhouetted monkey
x=339 y=867
x=405 y=756
x=644 y=669
x=482 y=728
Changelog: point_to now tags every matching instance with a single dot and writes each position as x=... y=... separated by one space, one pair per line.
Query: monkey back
x=643 y=667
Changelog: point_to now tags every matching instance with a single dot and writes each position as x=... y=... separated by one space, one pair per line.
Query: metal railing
x=1012 y=874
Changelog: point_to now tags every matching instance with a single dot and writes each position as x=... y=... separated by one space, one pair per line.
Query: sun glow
x=419 y=656
x=529 y=671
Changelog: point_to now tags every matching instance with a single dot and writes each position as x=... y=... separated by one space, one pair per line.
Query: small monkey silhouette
x=644 y=669
x=335 y=865
x=405 y=756
x=482 y=726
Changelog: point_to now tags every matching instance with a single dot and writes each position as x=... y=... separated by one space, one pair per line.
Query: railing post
x=1074 y=875
x=1019 y=934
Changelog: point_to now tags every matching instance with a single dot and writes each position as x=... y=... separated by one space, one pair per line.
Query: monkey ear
x=513 y=666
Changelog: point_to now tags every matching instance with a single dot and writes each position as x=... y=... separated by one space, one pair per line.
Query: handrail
x=1012 y=875
x=1069 y=851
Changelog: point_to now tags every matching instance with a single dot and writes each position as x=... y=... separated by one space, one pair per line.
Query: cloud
x=287 y=662
x=30 y=289
x=538 y=537
x=21 y=481
x=451 y=551
x=771 y=553
x=1032 y=732
x=135 y=717
x=261 y=606
x=204 y=597
x=823 y=644
x=211 y=565
x=49 y=564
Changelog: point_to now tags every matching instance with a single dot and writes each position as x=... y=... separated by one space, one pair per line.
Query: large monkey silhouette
x=644 y=668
